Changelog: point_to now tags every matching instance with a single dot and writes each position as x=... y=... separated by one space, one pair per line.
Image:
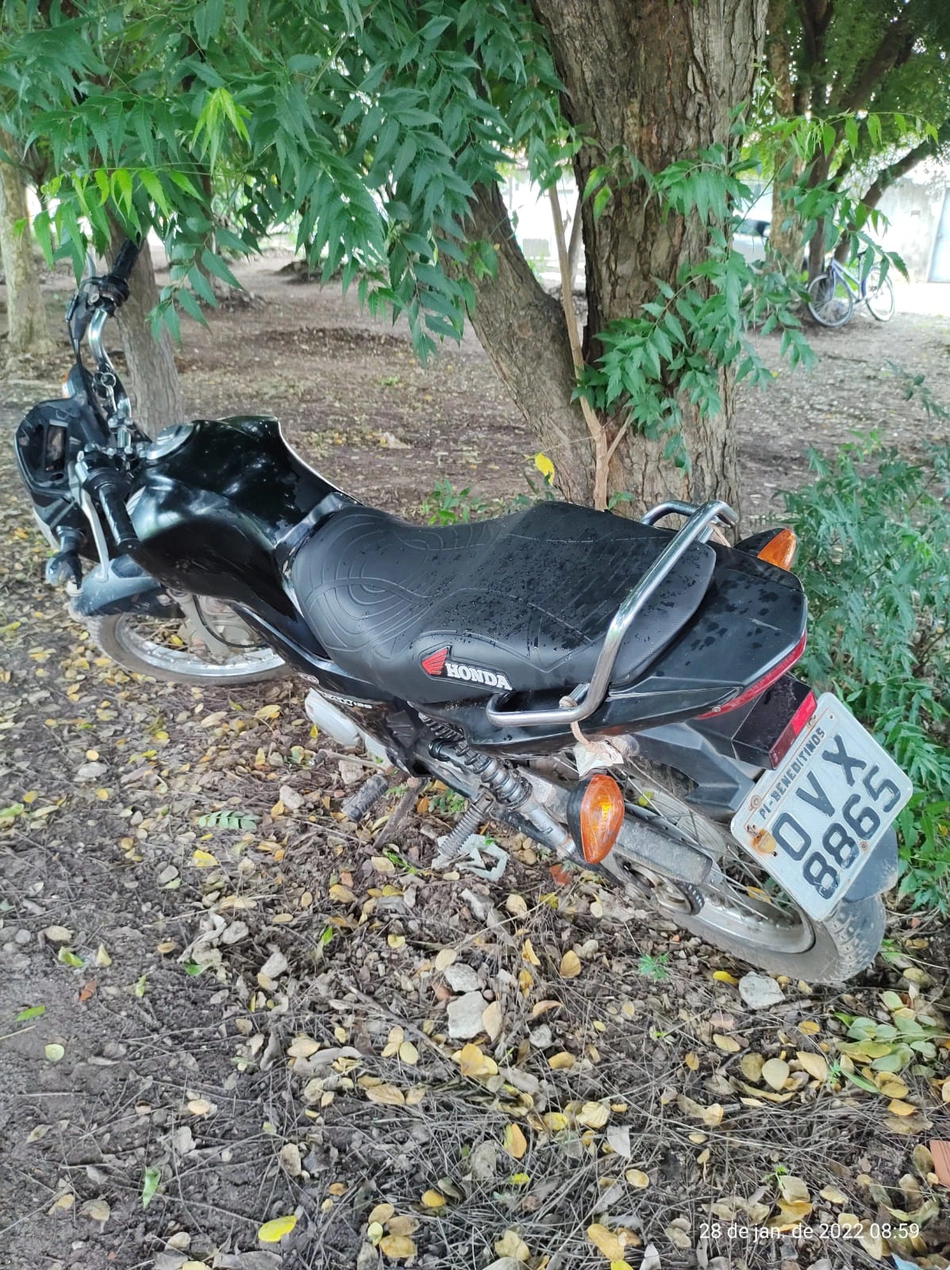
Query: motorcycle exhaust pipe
x=330 y=719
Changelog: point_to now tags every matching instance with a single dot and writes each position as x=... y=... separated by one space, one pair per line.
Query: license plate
x=814 y=822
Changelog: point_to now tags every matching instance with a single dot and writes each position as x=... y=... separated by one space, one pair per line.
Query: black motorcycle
x=615 y=690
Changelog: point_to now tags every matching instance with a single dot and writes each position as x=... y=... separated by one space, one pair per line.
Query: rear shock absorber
x=498 y=780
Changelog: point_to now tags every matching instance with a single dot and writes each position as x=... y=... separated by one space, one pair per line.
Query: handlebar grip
x=125 y=261
x=110 y=493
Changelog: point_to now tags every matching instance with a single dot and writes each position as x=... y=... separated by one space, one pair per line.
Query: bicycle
x=833 y=295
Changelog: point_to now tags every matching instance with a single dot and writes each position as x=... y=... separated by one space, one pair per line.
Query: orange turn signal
x=601 y=816
x=781 y=549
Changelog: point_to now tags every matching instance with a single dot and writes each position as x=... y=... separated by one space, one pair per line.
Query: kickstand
x=399 y=813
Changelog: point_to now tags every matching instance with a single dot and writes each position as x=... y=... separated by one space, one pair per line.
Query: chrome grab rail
x=586 y=698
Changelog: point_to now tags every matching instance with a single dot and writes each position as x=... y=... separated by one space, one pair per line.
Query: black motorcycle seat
x=442 y=613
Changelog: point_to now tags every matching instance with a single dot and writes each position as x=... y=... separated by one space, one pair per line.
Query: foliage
x=448 y=506
x=682 y=342
x=875 y=544
x=365 y=125
x=368 y=128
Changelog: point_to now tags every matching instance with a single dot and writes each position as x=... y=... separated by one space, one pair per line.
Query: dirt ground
x=206 y=1025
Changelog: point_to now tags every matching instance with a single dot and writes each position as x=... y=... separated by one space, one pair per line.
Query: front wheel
x=172 y=649
x=740 y=908
x=829 y=301
x=879 y=295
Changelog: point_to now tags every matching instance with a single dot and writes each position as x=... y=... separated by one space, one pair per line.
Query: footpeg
x=365 y=798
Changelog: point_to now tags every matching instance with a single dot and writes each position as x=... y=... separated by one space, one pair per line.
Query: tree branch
x=895 y=46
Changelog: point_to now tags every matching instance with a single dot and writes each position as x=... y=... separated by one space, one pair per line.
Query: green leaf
x=69 y=958
x=31 y=1012
x=151 y=1179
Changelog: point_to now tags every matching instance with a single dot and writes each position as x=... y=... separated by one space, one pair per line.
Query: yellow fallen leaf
x=529 y=955
x=515 y=1143
x=561 y=1061
x=815 y=1065
x=397 y=1247
x=606 y=1242
x=267 y=713
x=200 y=1106
x=203 y=859
x=833 y=1195
x=555 y=1121
x=432 y=1199
x=516 y=905
x=542 y=1007
x=512 y=1245
x=637 y=1178
x=544 y=466
x=724 y=976
x=898 y=1107
x=692 y=1061
x=445 y=958
x=492 y=1020
x=775 y=1073
x=593 y=1115
x=404 y=1224
x=396 y=941
x=726 y=1043
x=342 y=894
x=381 y=1213
x=794 y=1190
x=570 y=966
x=272 y=1232
x=302 y=1047
x=408 y=1053
x=473 y=1061
x=54 y=1053
x=387 y=1095
x=809 y=1027
x=102 y=956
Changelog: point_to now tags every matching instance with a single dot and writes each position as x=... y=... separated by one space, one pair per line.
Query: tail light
x=760 y=685
x=780 y=550
x=595 y=814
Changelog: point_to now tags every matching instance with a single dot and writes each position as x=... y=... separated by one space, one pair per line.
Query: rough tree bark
x=658 y=79
x=153 y=382
x=27 y=326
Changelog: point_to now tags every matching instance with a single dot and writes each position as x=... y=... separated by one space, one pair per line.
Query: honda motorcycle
x=618 y=691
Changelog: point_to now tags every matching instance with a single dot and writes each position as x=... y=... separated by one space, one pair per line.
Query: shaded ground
x=253 y=1020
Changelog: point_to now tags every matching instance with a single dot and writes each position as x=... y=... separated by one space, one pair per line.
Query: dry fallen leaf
x=816 y=1065
x=473 y=1061
x=775 y=1073
x=751 y=1067
x=940 y=1151
x=726 y=1043
x=606 y=1242
x=637 y=1178
x=302 y=1047
x=54 y=1052
x=515 y=1143
x=512 y=1245
x=200 y=1106
x=570 y=966
x=492 y=1021
x=381 y=1213
x=387 y=1095
x=516 y=905
x=562 y=1061
x=593 y=1115
x=432 y=1199
x=272 y=1232
x=529 y=955
x=397 y=1247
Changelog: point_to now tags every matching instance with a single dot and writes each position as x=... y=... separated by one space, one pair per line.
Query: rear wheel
x=829 y=301
x=879 y=295
x=740 y=908
x=172 y=648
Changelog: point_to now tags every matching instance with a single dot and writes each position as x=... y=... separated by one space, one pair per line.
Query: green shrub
x=874 y=559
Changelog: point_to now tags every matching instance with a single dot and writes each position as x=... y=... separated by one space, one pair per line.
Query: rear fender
x=122 y=587
x=722 y=782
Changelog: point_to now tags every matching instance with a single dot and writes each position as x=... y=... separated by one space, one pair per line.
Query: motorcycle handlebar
x=124 y=263
x=109 y=490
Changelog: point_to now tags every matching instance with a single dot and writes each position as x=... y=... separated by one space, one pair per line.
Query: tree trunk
x=523 y=331
x=658 y=80
x=153 y=382
x=785 y=233
x=27 y=326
